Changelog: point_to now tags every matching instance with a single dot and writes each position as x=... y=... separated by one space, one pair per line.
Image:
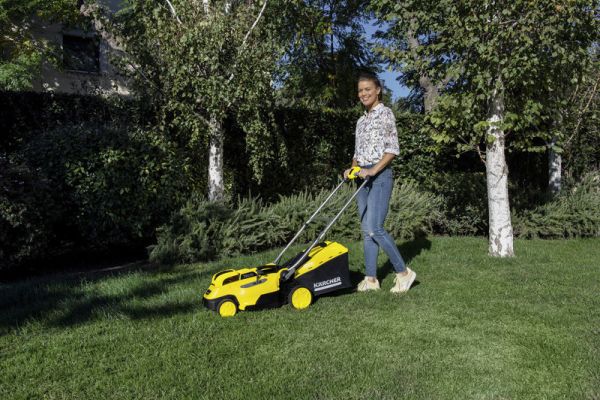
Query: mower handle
x=290 y=272
x=353 y=174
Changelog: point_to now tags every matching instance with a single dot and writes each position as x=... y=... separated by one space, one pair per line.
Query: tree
x=492 y=64
x=326 y=50
x=576 y=126
x=21 y=51
x=201 y=63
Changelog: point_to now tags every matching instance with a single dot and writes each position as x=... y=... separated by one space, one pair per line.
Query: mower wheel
x=226 y=308
x=300 y=297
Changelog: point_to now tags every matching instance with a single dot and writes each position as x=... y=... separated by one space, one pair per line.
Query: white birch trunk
x=554 y=169
x=501 y=232
x=216 y=187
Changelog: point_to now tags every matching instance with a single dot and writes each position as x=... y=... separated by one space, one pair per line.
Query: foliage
x=199 y=68
x=474 y=47
x=21 y=51
x=327 y=49
x=418 y=159
x=86 y=187
x=117 y=180
x=579 y=124
x=464 y=202
x=202 y=230
x=309 y=150
x=574 y=213
x=413 y=211
x=28 y=212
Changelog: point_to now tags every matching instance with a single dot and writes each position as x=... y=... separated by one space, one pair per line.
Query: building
x=85 y=59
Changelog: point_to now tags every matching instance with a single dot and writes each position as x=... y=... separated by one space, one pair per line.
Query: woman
x=375 y=147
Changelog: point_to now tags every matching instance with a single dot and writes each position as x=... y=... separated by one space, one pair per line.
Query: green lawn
x=472 y=328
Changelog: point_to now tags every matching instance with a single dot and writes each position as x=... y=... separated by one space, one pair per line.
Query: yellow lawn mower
x=321 y=268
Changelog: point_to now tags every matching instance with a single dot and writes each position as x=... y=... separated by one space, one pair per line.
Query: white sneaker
x=403 y=282
x=366 y=284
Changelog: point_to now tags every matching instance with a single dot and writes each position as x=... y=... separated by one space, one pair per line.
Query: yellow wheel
x=227 y=308
x=300 y=297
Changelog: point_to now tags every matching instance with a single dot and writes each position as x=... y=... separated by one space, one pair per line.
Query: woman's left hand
x=364 y=172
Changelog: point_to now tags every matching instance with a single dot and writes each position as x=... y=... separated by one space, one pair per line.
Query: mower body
x=324 y=270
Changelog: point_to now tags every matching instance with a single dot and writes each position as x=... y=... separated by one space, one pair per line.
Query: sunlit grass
x=472 y=328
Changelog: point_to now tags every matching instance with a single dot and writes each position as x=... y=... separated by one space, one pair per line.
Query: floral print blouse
x=375 y=134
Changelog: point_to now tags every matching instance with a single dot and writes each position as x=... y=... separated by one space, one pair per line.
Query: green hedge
x=78 y=187
x=308 y=150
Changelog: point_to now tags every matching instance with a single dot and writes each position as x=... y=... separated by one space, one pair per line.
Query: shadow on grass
x=68 y=300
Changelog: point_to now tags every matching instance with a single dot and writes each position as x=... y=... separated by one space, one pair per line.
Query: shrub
x=463 y=203
x=191 y=235
x=27 y=213
x=202 y=230
x=250 y=227
x=574 y=213
x=86 y=187
x=114 y=183
x=413 y=212
x=294 y=210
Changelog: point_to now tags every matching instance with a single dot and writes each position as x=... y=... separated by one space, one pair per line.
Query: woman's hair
x=369 y=76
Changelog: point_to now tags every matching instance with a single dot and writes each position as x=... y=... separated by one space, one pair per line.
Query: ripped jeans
x=373 y=203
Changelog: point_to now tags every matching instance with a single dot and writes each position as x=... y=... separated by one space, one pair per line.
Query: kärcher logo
x=337 y=281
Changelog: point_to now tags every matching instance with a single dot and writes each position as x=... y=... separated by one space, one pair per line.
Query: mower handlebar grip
x=353 y=174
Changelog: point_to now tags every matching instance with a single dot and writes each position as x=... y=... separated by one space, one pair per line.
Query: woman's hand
x=364 y=172
x=346 y=173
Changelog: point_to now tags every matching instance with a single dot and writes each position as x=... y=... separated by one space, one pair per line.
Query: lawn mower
x=321 y=268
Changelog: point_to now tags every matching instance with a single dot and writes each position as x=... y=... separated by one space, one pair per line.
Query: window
x=81 y=54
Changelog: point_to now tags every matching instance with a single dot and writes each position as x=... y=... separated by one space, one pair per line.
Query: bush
x=413 y=212
x=574 y=213
x=27 y=213
x=86 y=187
x=463 y=203
x=202 y=230
x=114 y=182
x=308 y=149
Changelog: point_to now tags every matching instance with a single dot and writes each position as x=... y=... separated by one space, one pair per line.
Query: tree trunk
x=431 y=93
x=501 y=232
x=554 y=169
x=216 y=187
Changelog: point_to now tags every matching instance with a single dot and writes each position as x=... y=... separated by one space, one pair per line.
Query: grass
x=473 y=328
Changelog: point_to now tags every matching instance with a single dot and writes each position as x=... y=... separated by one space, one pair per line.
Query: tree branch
x=593 y=93
x=246 y=38
x=173 y=11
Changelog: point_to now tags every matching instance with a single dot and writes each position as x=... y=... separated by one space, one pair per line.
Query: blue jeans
x=373 y=203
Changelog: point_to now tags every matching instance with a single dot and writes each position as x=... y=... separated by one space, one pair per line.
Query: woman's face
x=368 y=92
